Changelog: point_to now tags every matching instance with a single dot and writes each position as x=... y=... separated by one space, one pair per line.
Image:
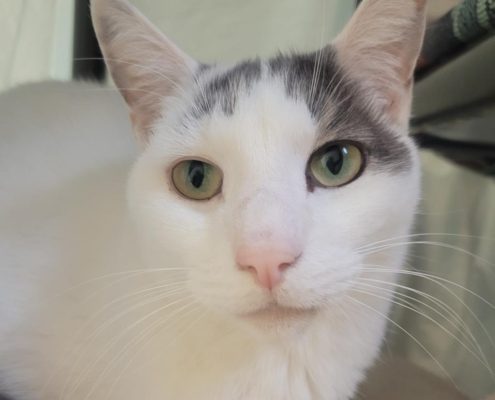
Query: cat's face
x=264 y=181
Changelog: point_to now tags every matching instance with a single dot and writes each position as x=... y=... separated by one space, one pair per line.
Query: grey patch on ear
x=337 y=104
x=222 y=90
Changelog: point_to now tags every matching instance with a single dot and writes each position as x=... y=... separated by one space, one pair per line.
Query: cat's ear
x=379 y=47
x=145 y=65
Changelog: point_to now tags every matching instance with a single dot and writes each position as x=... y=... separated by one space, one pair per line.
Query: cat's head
x=266 y=180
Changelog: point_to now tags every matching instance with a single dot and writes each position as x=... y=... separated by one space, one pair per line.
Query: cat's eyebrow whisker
x=92 y=337
x=200 y=85
x=330 y=92
x=410 y=335
x=427 y=243
x=149 y=333
x=325 y=93
x=407 y=300
x=317 y=66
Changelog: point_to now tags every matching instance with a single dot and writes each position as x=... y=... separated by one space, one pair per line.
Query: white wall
x=36 y=35
x=35 y=40
x=228 y=30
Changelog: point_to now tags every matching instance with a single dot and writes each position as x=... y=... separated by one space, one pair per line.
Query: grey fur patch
x=337 y=104
x=223 y=89
x=335 y=101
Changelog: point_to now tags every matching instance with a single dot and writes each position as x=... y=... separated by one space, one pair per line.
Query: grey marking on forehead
x=337 y=104
x=334 y=100
x=202 y=68
x=310 y=77
x=223 y=89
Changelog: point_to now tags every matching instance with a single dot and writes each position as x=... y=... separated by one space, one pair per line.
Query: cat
x=232 y=262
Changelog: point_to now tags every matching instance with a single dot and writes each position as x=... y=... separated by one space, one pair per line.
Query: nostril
x=249 y=268
x=284 y=266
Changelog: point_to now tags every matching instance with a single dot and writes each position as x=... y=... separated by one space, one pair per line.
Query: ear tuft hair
x=144 y=64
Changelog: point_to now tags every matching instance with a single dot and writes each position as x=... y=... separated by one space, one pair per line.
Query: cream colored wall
x=228 y=30
x=437 y=8
x=35 y=40
x=36 y=35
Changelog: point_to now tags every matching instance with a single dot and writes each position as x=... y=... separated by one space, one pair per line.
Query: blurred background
x=453 y=122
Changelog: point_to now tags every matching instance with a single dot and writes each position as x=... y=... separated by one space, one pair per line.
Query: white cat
x=232 y=268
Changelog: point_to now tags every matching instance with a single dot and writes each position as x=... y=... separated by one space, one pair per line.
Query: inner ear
x=145 y=65
x=379 y=47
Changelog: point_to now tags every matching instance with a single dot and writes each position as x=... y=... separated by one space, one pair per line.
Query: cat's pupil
x=196 y=173
x=335 y=159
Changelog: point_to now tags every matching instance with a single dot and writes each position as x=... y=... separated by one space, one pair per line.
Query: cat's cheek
x=161 y=220
x=321 y=277
x=379 y=206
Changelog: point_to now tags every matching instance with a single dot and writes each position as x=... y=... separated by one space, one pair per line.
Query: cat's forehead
x=311 y=77
x=314 y=81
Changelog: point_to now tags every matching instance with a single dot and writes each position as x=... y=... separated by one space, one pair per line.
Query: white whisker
x=423 y=347
x=95 y=334
x=146 y=337
x=129 y=273
x=441 y=282
x=428 y=243
x=409 y=306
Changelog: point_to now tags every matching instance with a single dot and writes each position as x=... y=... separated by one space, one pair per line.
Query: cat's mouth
x=274 y=312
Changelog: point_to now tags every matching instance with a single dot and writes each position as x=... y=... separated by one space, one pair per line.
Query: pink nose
x=267 y=263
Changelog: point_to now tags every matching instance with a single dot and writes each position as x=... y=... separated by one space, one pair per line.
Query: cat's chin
x=278 y=319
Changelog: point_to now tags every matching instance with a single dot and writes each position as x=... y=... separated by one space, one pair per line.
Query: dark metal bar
x=479 y=157
x=454 y=112
x=462 y=28
x=88 y=62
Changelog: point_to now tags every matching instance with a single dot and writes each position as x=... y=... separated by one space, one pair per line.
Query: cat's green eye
x=197 y=180
x=336 y=164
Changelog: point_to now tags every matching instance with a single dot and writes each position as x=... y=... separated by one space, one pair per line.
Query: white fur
x=220 y=356
x=75 y=325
